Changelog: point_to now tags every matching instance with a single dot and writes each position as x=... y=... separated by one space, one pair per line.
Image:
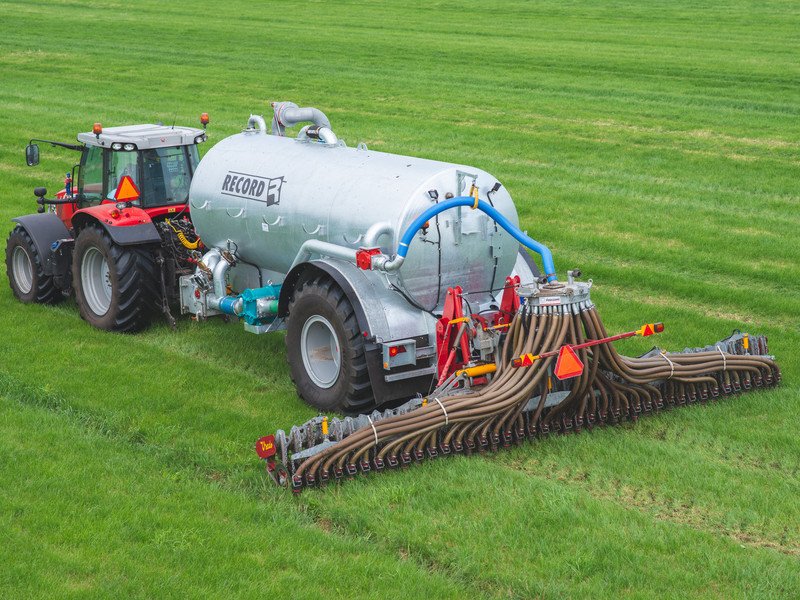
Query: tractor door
x=90 y=184
x=90 y=178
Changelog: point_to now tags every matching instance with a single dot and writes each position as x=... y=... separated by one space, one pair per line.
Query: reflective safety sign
x=568 y=364
x=126 y=190
x=265 y=446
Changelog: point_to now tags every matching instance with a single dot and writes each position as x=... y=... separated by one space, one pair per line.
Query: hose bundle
x=526 y=402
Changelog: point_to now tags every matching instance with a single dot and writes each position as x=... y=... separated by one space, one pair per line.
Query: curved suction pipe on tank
x=311 y=247
x=218 y=273
x=376 y=231
x=218 y=266
x=257 y=120
x=384 y=263
x=317 y=132
x=288 y=114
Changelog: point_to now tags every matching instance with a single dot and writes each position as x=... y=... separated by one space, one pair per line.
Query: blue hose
x=528 y=242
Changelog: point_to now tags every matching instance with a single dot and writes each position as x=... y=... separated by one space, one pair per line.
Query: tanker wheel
x=115 y=286
x=325 y=349
x=25 y=271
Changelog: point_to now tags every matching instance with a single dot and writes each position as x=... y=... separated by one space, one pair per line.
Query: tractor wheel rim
x=23 y=269
x=319 y=347
x=96 y=281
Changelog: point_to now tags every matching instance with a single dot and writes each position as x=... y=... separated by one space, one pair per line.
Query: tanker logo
x=253 y=187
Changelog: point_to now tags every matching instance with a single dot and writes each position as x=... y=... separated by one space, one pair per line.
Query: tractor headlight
x=130 y=147
x=200 y=138
x=116 y=146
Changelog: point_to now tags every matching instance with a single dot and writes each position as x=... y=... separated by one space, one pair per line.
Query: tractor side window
x=166 y=176
x=90 y=184
x=121 y=164
x=194 y=157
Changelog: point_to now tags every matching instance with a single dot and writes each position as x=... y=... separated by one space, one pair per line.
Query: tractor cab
x=160 y=161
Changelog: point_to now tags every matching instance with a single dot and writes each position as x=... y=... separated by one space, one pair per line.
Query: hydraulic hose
x=402 y=249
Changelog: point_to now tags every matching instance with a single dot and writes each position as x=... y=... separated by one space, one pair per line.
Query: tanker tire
x=21 y=253
x=352 y=391
x=132 y=275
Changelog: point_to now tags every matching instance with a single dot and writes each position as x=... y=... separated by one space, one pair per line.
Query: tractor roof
x=144 y=136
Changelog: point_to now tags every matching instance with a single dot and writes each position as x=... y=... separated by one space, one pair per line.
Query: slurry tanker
x=402 y=283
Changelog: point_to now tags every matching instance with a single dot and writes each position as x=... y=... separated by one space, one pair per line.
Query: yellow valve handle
x=458 y=320
x=477 y=371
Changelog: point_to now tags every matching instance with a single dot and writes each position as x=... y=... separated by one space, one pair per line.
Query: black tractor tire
x=351 y=391
x=131 y=282
x=25 y=270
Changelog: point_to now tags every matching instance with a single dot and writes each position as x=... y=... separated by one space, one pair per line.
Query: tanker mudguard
x=44 y=229
x=372 y=300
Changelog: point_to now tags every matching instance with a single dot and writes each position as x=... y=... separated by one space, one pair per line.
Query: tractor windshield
x=163 y=175
x=167 y=173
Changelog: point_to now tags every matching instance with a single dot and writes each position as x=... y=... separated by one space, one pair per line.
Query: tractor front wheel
x=115 y=286
x=25 y=270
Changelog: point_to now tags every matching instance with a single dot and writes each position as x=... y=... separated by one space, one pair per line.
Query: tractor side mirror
x=32 y=155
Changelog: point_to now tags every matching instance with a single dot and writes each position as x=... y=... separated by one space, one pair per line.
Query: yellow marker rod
x=325 y=426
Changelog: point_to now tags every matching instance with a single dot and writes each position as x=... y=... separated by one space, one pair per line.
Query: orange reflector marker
x=395 y=350
x=568 y=364
x=650 y=329
x=126 y=190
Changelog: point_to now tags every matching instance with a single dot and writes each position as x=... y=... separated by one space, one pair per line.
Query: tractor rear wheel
x=325 y=349
x=25 y=270
x=115 y=286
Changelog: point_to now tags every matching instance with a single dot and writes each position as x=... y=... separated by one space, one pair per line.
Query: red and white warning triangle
x=568 y=364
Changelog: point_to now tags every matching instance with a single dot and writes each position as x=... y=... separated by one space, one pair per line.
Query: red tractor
x=122 y=236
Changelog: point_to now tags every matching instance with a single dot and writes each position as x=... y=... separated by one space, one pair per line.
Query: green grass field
x=654 y=145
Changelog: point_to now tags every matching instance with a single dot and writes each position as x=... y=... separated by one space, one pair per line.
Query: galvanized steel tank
x=269 y=194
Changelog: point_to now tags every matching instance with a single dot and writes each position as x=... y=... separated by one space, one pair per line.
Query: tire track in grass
x=529 y=536
x=121 y=522
x=198 y=466
x=424 y=560
x=181 y=370
x=681 y=511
